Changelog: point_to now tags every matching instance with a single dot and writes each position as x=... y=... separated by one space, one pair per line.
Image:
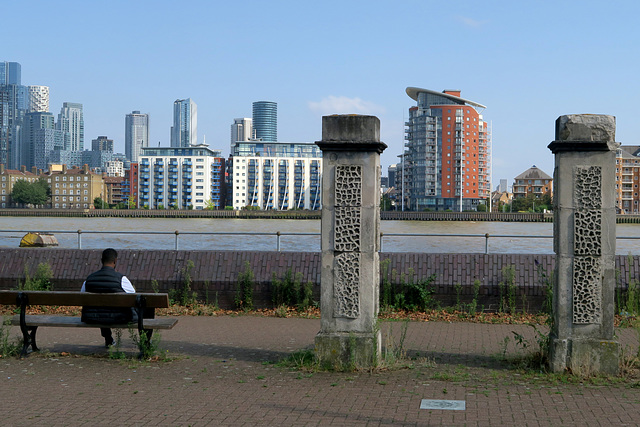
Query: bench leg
x=28 y=340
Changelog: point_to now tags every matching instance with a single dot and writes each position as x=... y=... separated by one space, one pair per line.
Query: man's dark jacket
x=106 y=280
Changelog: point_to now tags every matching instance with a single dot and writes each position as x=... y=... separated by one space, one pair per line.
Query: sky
x=527 y=62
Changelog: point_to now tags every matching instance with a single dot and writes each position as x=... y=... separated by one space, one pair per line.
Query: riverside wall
x=214 y=275
x=293 y=214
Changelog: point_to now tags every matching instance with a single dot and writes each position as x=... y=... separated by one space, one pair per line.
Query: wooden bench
x=144 y=303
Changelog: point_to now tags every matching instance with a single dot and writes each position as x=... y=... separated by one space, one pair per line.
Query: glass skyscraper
x=10 y=73
x=13 y=106
x=136 y=134
x=71 y=120
x=184 y=132
x=265 y=120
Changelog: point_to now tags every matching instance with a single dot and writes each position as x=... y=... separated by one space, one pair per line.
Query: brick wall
x=216 y=272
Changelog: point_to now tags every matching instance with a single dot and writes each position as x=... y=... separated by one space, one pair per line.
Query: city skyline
x=528 y=63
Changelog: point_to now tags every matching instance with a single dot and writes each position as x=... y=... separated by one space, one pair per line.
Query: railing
x=278 y=235
x=486 y=237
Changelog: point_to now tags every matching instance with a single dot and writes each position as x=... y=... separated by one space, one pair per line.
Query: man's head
x=109 y=257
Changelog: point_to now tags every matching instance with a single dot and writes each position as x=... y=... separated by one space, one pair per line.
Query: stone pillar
x=584 y=241
x=350 y=276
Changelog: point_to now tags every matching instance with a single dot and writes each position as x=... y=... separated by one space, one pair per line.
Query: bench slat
x=76 y=298
x=75 y=322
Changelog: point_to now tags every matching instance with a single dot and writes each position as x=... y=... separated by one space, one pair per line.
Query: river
x=99 y=233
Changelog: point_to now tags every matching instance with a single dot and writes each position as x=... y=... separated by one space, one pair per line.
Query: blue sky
x=528 y=62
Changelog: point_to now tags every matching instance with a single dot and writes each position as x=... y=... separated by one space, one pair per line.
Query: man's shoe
x=108 y=342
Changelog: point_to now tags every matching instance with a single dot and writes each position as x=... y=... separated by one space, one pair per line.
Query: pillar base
x=585 y=356
x=348 y=351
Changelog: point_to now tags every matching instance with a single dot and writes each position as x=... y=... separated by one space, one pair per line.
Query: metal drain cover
x=453 y=405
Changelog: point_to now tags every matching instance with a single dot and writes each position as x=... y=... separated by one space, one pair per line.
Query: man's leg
x=108 y=337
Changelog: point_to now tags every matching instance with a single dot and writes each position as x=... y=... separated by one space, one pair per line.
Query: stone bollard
x=584 y=241
x=350 y=276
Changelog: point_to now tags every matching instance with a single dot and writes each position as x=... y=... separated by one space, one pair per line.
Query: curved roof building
x=446 y=160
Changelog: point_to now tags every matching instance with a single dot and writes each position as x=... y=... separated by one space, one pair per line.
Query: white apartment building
x=181 y=177
x=114 y=168
x=38 y=99
x=277 y=176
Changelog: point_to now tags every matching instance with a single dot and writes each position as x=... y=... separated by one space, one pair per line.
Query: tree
x=30 y=193
x=98 y=203
x=385 y=203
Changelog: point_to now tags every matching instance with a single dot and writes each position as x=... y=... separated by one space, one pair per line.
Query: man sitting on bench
x=108 y=280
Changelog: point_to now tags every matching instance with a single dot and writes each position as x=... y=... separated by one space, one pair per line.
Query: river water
x=144 y=233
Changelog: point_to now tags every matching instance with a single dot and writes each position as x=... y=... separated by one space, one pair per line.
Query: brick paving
x=222 y=375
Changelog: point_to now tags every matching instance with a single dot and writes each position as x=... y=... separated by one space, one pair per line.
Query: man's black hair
x=109 y=256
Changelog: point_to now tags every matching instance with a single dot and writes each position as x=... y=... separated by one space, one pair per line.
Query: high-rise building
x=102 y=143
x=181 y=177
x=241 y=130
x=38 y=138
x=10 y=73
x=265 y=120
x=136 y=134
x=38 y=99
x=13 y=107
x=446 y=159
x=71 y=121
x=276 y=175
x=184 y=132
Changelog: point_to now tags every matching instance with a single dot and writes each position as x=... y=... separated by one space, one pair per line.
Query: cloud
x=343 y=105
x=470 y=22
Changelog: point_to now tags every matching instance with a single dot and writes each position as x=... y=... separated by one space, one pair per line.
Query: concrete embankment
x=274 y=214
x=214 y=273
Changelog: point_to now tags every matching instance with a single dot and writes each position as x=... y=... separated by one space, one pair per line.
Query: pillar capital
x=351 y=132
x=584 y=132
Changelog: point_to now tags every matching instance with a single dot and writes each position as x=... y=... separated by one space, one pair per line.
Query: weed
x=473 y=306
x=183 y=295
x=244 y=290
x=302 y=359
x=115 y=351
x=8 y=347
x=40 y=281
x=155 y=286
x=148 y=346
x=281 y=311
x=547 y=284
x=458 y=288
x=507 y=289
x=290 y=291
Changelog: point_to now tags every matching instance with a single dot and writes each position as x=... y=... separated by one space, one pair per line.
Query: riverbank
x=294 y=214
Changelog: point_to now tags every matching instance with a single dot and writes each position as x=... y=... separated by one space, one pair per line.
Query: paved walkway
x=223 y=376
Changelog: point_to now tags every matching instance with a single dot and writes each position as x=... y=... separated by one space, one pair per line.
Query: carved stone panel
x=349 y=185
x=588 y=232
x=587 y=290
x=588 y=213
x=347 y=285
x=347 y=229
x=588 y=189
x=587 y=246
